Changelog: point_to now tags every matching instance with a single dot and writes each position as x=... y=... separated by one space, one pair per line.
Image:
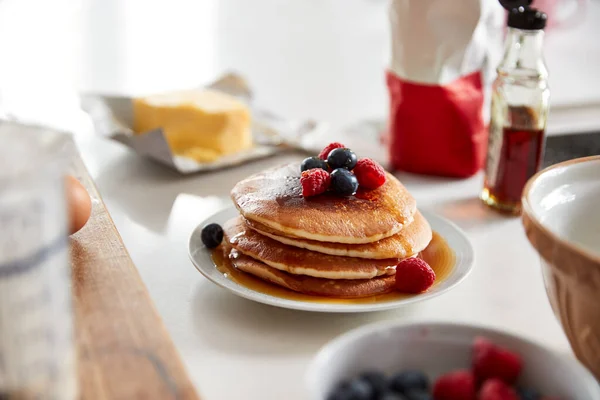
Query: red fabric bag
x=437 y=130
x=442 y=67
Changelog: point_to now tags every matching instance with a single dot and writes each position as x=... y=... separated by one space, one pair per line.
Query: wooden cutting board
x=124 y=350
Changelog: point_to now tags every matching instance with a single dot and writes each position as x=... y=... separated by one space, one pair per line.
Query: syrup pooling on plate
x=438 y=255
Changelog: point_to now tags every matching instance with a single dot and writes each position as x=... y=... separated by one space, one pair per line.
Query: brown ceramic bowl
x=561 y=215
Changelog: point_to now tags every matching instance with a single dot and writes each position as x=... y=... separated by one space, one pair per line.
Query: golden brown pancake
x=274 y=198
x=299 y=261
x=341 y=288
x=412 y=239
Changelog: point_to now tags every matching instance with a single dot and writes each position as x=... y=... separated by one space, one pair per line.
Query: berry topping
x=495 y=389
x=343 y=182
x=325 y=152
x=312 y=163
x=212 y=235
x=341 y=158
x=457 y=385
x=314 y=182
x=409 y=380
x=377 y=380
x=492 y=361
x=370 y=174
x=414 y=275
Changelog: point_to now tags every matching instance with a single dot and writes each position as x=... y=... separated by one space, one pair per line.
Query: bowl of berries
x=443 y=361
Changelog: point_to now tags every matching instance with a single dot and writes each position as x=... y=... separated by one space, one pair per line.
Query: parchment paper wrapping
x=113 y=118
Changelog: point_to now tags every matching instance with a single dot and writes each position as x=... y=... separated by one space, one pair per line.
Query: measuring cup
x=37 y=354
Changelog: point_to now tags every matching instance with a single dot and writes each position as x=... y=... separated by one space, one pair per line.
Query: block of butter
x=200 y=124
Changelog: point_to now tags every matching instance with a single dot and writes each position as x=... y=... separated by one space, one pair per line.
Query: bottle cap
x=510 y=4
x=527 y=19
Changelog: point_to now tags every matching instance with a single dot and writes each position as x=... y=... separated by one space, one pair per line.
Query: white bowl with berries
x=443 y=361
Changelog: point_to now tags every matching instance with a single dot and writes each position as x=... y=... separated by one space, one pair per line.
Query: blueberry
x=356 y=389
x=377 y=380
x=392 y=396
x=404 y=381
x=212 y=235
x=360 y=389
x=528 y=394
x=418 y=394
x=343 y=182
x=342 y=158
x=312 y=163
x=340 y=392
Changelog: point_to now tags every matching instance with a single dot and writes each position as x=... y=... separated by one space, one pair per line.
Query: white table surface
x=236 y=349
x=320 y=59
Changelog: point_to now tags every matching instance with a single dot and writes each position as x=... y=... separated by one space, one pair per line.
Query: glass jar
x=37 y=352
x=520 y=103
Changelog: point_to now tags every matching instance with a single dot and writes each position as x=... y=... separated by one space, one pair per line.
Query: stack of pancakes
x=323 y=245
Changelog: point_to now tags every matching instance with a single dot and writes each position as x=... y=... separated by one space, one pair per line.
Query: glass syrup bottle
x=520 y=102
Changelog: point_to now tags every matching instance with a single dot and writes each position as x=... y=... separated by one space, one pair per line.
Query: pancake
x=412 y=239
x=299 y=261
x=344 y=288
x=274 y=198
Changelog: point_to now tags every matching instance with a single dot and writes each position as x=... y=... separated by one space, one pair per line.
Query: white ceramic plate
x=437 y=348
x=456 y=239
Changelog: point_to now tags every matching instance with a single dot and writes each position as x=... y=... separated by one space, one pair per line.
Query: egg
x=80 y=204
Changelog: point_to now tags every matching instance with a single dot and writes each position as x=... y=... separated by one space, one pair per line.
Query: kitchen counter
x=234 y=348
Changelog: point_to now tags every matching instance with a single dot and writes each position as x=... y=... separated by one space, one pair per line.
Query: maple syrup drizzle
x=438 y=255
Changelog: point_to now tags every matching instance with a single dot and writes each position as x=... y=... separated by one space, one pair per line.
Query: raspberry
x=492 y=361
x=457 y=385
x=325 y=152
x=314 y=181
x=370 y=174
x=495 y=389
x=413 y=275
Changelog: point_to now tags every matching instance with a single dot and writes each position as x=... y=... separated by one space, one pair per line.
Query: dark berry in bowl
x=343 y=182
x=342 y=158
x=356 y=389
x=360 y=389
x=312 y=163
x=406 y=381
x=417 y=394
x=528 y=394
x=212 y=235
x=391 y=395
x=377 y=380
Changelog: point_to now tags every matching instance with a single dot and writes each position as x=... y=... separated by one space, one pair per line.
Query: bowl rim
x=344 y=339
x=530 y=221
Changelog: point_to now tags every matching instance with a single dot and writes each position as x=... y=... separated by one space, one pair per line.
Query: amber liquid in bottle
x=517 y=159
x=519 y=110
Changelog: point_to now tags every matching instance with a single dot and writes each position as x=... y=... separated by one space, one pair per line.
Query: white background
x=332 y=52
